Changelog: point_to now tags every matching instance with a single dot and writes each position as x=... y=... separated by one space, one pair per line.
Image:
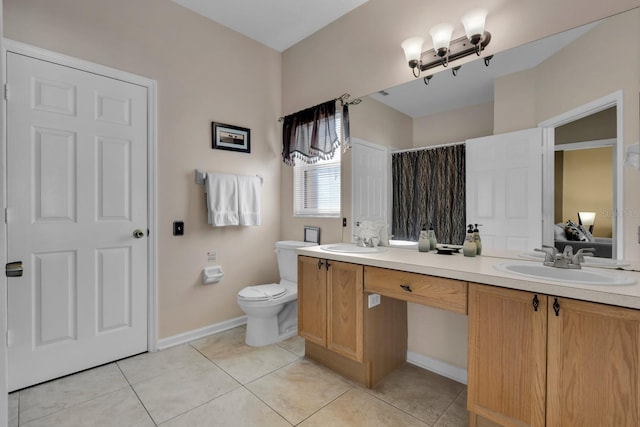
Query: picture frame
x=312 y=234
x=230 y=137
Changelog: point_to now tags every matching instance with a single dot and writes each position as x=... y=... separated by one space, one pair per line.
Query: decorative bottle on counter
x=423 y=241
x=469 y=248
x=432 y=238
x=476 y=238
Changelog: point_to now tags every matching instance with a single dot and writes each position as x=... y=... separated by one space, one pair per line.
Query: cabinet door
x=593 y=365
x=344 y=305
x=312 y=300
x=507 y=355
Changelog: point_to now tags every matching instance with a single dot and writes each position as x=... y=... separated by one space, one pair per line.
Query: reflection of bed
x=602 y=245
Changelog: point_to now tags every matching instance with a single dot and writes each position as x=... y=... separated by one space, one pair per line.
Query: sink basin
x=348 y=248
x=585 y=276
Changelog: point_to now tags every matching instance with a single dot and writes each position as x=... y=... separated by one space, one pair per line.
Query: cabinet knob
x=320 y=264
x=556 y=306
x=535 y=302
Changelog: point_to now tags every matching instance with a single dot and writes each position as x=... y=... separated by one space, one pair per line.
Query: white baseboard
x=438 y=366
x=201 y=333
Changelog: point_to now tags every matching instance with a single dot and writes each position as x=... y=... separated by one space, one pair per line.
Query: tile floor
x=219 y=381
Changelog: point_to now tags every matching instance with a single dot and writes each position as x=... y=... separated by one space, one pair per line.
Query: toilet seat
x=270 y=292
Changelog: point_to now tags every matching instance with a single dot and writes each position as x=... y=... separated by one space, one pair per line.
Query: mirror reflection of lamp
x=587 y=219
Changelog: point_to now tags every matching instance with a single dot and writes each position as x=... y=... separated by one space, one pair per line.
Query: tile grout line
x=449 y=406
x=328 y=403
x=75 y=404
x=136 y=394
x=244 y=386
x=380 y=398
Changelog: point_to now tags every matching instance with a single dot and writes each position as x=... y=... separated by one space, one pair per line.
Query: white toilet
x=272 y=310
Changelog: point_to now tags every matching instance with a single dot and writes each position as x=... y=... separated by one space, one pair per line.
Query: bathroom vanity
x=540 y=352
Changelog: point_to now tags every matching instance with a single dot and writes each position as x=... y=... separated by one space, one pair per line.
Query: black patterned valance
x=312 y=134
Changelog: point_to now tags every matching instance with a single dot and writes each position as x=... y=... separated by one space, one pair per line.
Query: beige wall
x=205 y=72
x=360 y=53
x=453 y=126
x=587 y=186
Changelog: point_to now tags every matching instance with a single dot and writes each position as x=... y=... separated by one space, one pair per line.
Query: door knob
x=14 y=269
x=137 y=233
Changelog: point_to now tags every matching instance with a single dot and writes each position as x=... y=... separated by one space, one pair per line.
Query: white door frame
x=151 y=85
x=615 y=99
x=4 y=386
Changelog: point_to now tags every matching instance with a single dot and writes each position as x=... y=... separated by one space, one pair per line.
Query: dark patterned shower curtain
x=429 y=189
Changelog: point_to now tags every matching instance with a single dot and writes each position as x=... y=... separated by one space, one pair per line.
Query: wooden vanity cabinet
x=330 y=305
x=565 y=363
x=362 y=344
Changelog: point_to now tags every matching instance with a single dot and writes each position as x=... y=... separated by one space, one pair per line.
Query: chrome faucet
x=554 y=258
x=578 y=258
x=364 y=242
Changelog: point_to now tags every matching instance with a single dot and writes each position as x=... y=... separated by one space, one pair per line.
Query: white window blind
x=317 y=188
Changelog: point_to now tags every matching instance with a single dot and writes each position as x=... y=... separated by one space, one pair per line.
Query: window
x=316 y=188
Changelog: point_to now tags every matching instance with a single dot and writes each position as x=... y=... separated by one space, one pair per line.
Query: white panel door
x=504 y=189
x=77 y=190
x=370 y=182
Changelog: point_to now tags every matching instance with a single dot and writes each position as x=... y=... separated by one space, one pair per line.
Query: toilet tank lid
x=292 y=244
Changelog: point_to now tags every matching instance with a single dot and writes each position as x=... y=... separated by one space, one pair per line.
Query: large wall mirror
x=527 y=87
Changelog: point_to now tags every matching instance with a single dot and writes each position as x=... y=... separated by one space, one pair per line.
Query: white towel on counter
x=249 y=200
x=222 y=199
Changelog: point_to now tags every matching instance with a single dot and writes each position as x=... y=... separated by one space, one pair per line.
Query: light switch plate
x=178 y=228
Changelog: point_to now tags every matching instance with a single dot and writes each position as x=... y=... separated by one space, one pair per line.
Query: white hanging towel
x=249 y=199
x=222 y=199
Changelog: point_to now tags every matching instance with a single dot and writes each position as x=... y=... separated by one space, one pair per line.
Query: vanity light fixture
x=446 y=50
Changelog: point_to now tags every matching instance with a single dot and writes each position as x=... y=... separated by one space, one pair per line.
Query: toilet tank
x=288 y=259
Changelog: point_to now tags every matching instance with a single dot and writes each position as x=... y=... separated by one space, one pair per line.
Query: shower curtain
x=429 y=189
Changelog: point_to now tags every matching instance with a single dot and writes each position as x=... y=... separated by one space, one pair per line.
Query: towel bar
x=202 y=176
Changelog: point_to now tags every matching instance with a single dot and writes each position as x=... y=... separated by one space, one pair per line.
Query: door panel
x=76 y=190
x=507 y=336
x=370 y=165
x=504 y=189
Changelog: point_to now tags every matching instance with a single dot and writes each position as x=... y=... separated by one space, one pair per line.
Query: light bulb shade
x=587 y=218
x=413 y=50
x=474 y=24
x=441 y=36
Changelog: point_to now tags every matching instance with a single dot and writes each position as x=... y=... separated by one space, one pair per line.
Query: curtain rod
x=343 y=101
x=428 y=147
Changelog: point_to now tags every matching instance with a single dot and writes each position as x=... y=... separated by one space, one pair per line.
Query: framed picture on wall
x=229 y=137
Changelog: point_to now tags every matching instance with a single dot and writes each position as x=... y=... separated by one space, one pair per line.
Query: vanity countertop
x=480 y=270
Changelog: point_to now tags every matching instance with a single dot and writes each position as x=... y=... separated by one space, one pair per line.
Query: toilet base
x=272 y=328
x=261 y=333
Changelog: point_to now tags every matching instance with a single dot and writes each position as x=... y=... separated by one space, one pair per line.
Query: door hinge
x=9 y=338
x=6 y=92
x=6 y=215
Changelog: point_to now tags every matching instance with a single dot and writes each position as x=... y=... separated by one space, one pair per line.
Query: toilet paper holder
x=212 y=274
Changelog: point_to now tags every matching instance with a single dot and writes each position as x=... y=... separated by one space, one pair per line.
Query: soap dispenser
x=423 y=241
x=476 y=238
x=469 y=248
x=431 y=234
